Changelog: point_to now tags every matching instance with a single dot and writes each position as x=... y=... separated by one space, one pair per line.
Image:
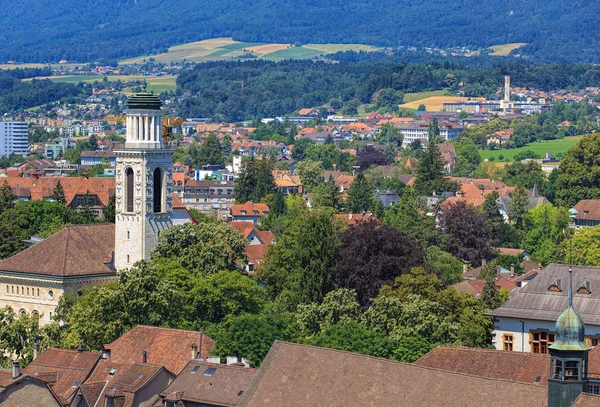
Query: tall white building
x=143 y=196
x=14 y=138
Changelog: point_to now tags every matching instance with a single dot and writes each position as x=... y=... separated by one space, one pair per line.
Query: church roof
x=77 y=250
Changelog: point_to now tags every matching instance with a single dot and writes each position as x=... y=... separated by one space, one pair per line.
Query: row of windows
x=539 y=341
x=26 y=291
x=209 y=192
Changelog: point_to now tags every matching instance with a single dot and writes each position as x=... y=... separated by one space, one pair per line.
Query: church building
x=81 y=256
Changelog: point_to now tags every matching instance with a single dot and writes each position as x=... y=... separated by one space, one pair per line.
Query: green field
x=541 y=147
x=413 y=97
x=156 y=84
x=219 y=49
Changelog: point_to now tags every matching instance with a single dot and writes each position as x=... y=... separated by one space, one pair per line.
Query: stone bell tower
x=143 y=182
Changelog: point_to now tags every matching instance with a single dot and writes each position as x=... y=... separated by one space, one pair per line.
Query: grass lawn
x=540 y=147
x=156 y=84
x=293 y=53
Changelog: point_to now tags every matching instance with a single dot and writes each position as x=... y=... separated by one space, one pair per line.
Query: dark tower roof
x=144 y=100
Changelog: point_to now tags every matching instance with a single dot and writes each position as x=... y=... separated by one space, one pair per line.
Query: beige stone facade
x=40 y=294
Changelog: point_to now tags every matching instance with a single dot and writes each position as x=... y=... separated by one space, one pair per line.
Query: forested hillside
x=49 y=30
x=271 y=89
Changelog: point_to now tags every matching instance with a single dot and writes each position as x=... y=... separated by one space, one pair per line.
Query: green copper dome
x=144 y=100
x=570 y=331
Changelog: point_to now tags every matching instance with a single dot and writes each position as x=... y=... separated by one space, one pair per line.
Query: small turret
x=568 y=356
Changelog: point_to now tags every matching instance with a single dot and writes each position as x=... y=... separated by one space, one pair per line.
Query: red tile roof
x=354 y=218
x=587 y=400
x=39 y=188
x=64 y=369
x=522 y=367
x=588 y=209
x=295 y=375
x=249 y=208
x=168 y=347
x=75 y=250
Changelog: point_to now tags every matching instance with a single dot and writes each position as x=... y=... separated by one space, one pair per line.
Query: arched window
x=158 y=190
x=129 y=190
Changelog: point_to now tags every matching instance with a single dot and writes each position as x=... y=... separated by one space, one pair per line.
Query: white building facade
x=143 y=195
x=14 y=138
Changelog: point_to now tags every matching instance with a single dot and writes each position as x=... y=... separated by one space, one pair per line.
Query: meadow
x=218 y=49
x=432 y=103
x=540 y=147
x=156 y=84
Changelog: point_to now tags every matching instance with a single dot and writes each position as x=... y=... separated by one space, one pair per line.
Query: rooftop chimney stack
x=16 y=369
x=81 y=348
x=36 y=350
x=105 y=353
x=507 y=88
x=194 y=351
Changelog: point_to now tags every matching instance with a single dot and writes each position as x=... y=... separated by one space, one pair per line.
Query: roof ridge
x=64 y=267
x=486 y=350
x=409 y=364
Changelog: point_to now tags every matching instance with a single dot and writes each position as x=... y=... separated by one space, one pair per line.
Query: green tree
x=203 y=249
x=448 y=267
x=211 y=152
x=430 y=173
x=328 y=195
x=422 y=108
x=277 y=206
x=299 y=269
x=58 y=193
x=490 y=295
x=255 y=181
x=578 y=172
x=546 y=233
x=408 y=217
x=467 y=158
x=433 y=130
x=585 y=249
x=499 y=233
x=73 y=156
x=360 y=195
x=109 y=213
x=7 y=197
x=18 y=333
x=251 y=336
x=86 y=210
x=310 y=172
x=338 y=306
x=517 y=207
x=15 y=228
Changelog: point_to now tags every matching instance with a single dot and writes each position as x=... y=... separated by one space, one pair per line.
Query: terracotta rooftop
x=522 y=367
x=588 y=209
x=587 y=400
x=249 y=208
x=295 y=375
x=168 y=347
x=63 y=369
x=354 y=218
x=77 y=250
x=222 y=386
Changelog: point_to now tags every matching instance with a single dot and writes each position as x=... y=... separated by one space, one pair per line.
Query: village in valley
x=228 y=223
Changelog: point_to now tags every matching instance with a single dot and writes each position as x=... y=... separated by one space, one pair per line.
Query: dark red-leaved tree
x=464 y=228
x=371 y=156
x=373 y=255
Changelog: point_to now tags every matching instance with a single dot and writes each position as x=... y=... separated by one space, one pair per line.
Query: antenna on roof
x=145 y=83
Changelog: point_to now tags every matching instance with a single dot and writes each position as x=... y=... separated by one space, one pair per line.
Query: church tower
x=143 y=182
x=568 y=357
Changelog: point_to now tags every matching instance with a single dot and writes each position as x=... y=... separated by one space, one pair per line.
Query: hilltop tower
x=143 y=182
x=568 y=357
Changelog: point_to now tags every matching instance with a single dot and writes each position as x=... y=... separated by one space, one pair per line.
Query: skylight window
x=195 y=369
x=210 y=371
x=240 y=393
x=112 y=371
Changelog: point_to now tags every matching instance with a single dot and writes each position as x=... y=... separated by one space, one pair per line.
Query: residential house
x=207 y=385
x=28 y=391
x=287 y=183
x=387 y=197
x=586 y=213
x=91 y=158
x=534 y=200
x=258 y=242
x=499 y=137
x=527 y=319
x=248 y=212
x=213 y=198
x=308 y=112
x=448 y=154
x=352 y=219
x=344 y=182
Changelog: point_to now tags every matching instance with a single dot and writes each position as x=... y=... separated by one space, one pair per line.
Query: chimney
x=144 y=357
x=105 y=353
x=507 y=88
x=194 y=351
x=81 y=348
x=16 y=369
x=483 y=262
x=36 y=350
x=465 y=268
x=512 y=270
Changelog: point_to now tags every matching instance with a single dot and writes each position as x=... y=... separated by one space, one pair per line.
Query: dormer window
x=555 y=285
x=243 y=212
x=585 y=287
